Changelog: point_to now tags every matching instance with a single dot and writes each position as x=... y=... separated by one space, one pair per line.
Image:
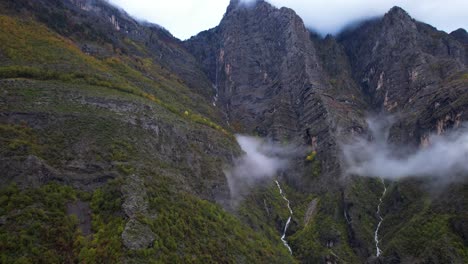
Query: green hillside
x=77 y=128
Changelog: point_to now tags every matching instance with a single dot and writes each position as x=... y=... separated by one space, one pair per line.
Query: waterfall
x=376 y=235
x=215 y=86
x=346 y=216
x=283 y=237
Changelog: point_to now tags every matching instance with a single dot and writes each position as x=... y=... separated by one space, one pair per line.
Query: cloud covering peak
x=185 y=18
x=444 y=158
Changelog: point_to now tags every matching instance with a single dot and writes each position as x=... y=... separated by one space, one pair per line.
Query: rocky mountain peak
x=244 y=15
x=461 y=35
x=258 y=6
x=398 y=12
x=398 y=16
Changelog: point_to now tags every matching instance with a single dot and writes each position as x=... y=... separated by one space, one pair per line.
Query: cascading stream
x=215 y=86
x=376 y=235
x=283 y=237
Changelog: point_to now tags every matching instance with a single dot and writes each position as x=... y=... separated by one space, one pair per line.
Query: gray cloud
x=445 y=158
x=262 y=160
x=185 y=18
x=331 y=16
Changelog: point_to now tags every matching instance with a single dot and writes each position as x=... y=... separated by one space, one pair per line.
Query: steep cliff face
x=261 y=54
x=462 y=36
x=270 y=80
x=405 y=66
x=275 y=79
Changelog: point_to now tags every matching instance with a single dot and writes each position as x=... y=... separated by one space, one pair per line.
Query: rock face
x=137 y=235
x=256 y=67
x=276 y=79
x=270 y=80
x=404 y=66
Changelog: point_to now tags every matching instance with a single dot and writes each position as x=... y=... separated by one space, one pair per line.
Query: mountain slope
x=417 y=73
x=115 y=137
x=109 y=151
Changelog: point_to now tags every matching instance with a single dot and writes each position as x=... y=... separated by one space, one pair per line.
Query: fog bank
x=262 y=161
x=444 y=159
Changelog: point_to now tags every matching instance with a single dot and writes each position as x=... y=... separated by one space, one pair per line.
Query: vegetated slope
x=277 y=80
x=109 y=153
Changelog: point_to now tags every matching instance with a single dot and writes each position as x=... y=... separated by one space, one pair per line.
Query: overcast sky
x=185 y=18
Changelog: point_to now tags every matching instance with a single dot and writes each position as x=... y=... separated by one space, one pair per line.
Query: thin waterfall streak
x=376 y=234
x=283 y=237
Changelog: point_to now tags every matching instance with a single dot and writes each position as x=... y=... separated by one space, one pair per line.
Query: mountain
x=270 y=80
x=116 y=137
x=278 y=80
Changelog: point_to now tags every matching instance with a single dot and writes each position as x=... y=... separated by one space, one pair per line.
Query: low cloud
x=444 y=158
x=263 y=160
x=332 y=16
x=189 y=17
